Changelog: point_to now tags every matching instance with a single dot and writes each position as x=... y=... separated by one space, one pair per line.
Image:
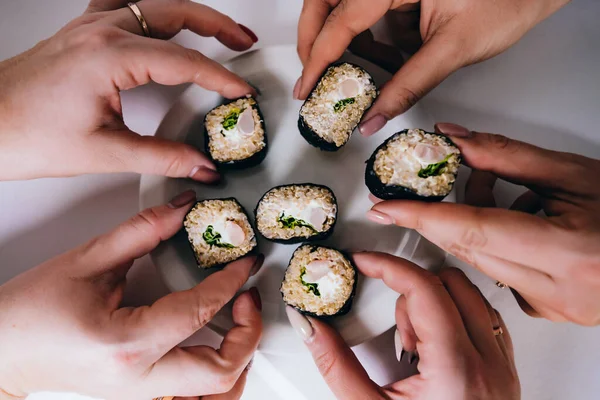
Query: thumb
x=338 y=365
x=433 y=63
x=137 y=236
x=126 y=151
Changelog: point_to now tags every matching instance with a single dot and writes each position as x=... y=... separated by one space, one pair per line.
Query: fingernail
x=452 y=129
x=372 y=125
x=297 y=89
x=249 y=33
x=205 y=174
x=379 y=217
x=260 y=259
x=182 y=199
x=412 y=356
x=249 y=364
x=300 y=323
x=398 y=345
x=256 y=298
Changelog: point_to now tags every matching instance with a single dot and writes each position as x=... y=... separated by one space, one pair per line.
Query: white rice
x=395 y=164
x=318 y=111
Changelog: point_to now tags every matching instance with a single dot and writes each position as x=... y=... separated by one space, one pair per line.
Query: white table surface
x=545 y=90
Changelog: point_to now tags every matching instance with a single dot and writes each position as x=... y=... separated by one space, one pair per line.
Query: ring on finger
x=498 y=330
x=144 y=25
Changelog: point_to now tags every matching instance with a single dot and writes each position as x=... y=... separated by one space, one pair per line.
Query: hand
x=553 y=263
x=445 y=319
x=60 y=105
x=62 y=327
x=453 y=34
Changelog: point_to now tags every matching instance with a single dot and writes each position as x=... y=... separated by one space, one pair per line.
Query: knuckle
x=503 y=143
x=226 y=376
x=462 y=253
x=473 y=237
x=177 y=166
x=447 y=275
x=93 y=37
x=326 y=363
x=148 y=221
x=402 y=99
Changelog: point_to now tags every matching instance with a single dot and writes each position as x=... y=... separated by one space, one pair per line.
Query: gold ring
x=498 y=331
x=501 y=285
x=140 y=17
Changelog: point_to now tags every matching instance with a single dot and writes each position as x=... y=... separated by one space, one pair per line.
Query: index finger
x=465 y=231
x=312 y=18
x=167 y=18
x=523 y=163
x=345 y=22
x=175 y=317
x=430 y=308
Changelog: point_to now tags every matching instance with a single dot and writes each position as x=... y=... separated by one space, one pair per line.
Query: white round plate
x=290 y=159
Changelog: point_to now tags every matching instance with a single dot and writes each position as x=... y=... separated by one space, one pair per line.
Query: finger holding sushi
x=453 y=35
x=75 y=301
x=552 y=260
x=454 y=333
x=67 y=118
x=166 y=18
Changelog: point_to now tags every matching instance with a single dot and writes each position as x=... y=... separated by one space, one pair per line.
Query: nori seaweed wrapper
x=397 y=192
x=347 y=305
x=311 y=136
x=249 y=162
x=313 y=238
x=191 y=245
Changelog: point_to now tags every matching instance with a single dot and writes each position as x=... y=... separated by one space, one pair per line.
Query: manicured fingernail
x=249 y=364
x=452 y=129
x=256 y=298
x=249 y=33
x=398 y=345
x=260 y=259
x=412 y=356
x=300 y=323
x=297 y=89
x=372 y=125
x=182 y=199
x=379 y=217
x=205 y=174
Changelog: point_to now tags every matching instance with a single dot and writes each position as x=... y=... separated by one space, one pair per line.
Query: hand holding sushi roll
x=444 y=35
x=552 y=264
x=60 y=104
x=445 y=319
x=62 y=326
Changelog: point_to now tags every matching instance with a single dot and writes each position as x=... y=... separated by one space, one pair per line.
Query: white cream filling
x=312 y=214
x=320 y=273
x=231 y=233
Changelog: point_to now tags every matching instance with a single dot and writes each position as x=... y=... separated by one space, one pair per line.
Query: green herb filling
x=213 y=238
x=434 y=169
x=291 y=222
x=340 y=105
x=231 y=119
x=312 y=287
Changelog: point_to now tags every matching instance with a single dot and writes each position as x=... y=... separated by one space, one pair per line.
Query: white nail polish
x=398 y=345
x=300 y=324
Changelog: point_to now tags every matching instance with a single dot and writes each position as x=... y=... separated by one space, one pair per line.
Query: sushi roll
x=414 y=165
x=336 y=105
x=219 y=232
x=296 y=213
x=319 y=281
x=234 y=134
